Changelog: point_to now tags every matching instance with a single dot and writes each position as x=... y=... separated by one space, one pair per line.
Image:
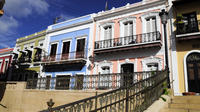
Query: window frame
x=128 y=19
x=102 y=28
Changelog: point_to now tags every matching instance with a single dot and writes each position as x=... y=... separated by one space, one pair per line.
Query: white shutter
x=126 y=29
x=153 y=24
x=148 y=26
x=130 y=29
x=105 y=33
x=110 y=32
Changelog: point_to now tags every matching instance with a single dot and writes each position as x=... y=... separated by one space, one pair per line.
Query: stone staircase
x=183 y=104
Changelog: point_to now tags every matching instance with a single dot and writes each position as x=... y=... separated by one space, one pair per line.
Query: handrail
x=136 y=97
x=128 y=40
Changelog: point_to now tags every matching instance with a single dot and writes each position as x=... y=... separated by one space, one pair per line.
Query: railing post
x=127 y=98
x=96 y=100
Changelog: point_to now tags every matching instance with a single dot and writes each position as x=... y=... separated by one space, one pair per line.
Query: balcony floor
x=129 y=47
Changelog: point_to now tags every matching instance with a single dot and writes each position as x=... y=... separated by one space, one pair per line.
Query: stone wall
x=18 y=99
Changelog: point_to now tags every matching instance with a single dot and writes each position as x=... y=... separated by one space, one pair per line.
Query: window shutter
x=105 y=33
x=148 y=26
x=125 y=29
x=110 y=32
x=153 y=24
x=130 y=29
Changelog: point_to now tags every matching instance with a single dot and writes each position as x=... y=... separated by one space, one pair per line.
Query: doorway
x=127 y=71
x=193 y=72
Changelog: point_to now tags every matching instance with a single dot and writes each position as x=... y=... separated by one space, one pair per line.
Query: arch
x=185 y=67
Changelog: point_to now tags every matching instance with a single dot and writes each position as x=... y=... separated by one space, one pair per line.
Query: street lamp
x=164 y=17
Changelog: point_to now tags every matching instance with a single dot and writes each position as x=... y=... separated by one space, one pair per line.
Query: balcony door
x=191 y=22
x=53 y=52
x=193 y=72
x=127 y=71
x=65 y=50
x=80 y=48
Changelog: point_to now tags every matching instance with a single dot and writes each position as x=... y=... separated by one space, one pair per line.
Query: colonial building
x=186 y=46
x=129 y=39
x=68 y=47
x=5 y=62
x=28 y=53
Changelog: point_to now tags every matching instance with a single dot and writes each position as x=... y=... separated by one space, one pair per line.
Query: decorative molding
x=105 y=63
x=151 y=59
x=185 y=67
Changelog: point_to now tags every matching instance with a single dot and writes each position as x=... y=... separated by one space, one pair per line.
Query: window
x=191 y=23
x=128 y=28
x=62 y=82
x=65 y=50
x=151 y=24
x=105 y=70
x=53 y=51
x=79 y=82
x=107 y=32
x=152 y=67
x=80 y=48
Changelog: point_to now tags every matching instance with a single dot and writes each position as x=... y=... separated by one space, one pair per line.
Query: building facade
x=68 y=47
x=5 y=63
x=186 y=49
x=129 y=39
x=27 y=58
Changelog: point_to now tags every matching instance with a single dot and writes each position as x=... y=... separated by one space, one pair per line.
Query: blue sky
x=24 y=17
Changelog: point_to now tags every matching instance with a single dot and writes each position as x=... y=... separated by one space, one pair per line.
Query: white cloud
x=7 y=24
x=23 y=8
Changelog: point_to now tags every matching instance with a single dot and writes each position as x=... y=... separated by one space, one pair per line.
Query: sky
x=25 y=17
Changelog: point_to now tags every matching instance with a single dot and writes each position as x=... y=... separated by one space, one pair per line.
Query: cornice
x=70 y=26
x=112 y=13
x=33 y=37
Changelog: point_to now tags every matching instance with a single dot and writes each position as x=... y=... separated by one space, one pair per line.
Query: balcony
x=37 y=58
x=71 y=57
x=187 y=30
x=151 y=39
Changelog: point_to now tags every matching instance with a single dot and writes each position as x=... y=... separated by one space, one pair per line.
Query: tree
x=2 y=2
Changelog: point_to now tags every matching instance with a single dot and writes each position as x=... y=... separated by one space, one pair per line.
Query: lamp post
x=164 y=17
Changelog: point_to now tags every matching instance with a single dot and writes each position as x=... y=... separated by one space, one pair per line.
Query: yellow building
x=186 y=56
x=28 y=54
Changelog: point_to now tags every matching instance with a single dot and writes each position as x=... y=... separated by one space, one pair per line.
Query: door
x=193 y=72
x=80 y=48
x=127 y=72
x=65 y=50
x=53 y=52
x=48 y=80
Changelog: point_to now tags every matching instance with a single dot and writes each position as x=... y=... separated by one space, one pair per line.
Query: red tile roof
x=4 y=50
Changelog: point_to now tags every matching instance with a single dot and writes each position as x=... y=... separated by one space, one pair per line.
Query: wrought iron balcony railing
x=79 y=82
x=187 y=27
x=65 y=57
x=128 y=40
x=37 y=58
x=136 y=97
x=24 y=60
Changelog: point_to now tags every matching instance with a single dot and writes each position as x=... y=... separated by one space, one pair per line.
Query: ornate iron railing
x=66 y=56
x=78 y=82
x=187 y=27
x=132 y=98
x=128 y=40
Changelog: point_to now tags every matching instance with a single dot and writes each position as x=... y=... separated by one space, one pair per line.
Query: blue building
x=68 y=46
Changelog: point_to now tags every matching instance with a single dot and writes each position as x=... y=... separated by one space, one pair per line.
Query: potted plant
x=180 y=24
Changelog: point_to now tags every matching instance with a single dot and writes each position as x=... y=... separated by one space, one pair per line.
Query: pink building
x=5 y=62
x=129 y=39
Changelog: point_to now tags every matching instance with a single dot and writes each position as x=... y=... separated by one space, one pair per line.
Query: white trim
x=52 y=44
x=149 y=15
x=127 y=61
x=102 y=29
x=105 y=63
x=185 y=67
x=1 y=60
x=63 y=74
x=80 y=73
x=132 y=19
x=66 y=40
x=149 y=60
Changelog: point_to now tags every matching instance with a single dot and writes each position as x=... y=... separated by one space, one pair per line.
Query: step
x=184 y=106
x=177 y=110
x=186 y=101
x=186 y=97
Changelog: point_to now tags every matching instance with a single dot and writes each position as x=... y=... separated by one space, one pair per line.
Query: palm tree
x=2 y=2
